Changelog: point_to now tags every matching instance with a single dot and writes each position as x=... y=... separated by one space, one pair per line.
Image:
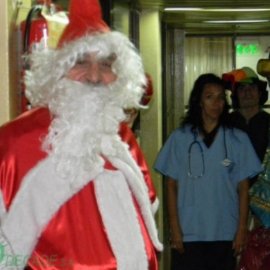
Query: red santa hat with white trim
x=85 y=17
x=87 y=32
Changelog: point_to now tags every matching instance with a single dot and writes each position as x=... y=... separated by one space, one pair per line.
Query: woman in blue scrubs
x=207 y=164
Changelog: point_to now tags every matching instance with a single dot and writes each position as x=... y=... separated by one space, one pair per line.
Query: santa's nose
x=93 y=74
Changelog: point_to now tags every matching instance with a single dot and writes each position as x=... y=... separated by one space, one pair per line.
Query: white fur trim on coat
x=127 y=165
x=3 y=209
x=120 y=220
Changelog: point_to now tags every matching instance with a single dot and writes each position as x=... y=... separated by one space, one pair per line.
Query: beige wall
x=10 y=15
x=150 y=48
x=4 y=63
x=120 y=14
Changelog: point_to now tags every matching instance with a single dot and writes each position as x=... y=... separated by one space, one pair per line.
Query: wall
x=151 y=129
x=120 y=18
x=4 y=63
x=10 y=15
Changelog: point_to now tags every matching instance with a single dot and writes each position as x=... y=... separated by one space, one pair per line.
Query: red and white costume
x=61 y=225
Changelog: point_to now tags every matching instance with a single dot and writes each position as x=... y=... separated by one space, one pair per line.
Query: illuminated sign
x=247 y=49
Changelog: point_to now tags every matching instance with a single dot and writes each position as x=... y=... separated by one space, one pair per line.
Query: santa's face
x=93 y=69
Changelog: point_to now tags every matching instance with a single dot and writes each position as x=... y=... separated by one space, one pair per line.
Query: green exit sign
x=247 y=49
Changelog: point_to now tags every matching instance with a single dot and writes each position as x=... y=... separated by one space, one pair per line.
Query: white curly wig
x=48 y=66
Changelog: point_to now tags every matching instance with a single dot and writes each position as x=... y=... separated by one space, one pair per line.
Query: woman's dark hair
x=194 y=113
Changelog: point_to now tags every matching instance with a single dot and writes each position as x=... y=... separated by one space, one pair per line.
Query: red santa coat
x=75 y=236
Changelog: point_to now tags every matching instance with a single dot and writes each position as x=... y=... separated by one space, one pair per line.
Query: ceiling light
x=238 y=21
x=236 y=9
x=216 y=9
x=182 y=9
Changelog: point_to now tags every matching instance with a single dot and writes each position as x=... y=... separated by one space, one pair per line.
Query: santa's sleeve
x=7 y=171
x=20 y=151
x=128 y=137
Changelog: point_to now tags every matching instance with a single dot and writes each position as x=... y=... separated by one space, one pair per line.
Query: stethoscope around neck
x=226 y=162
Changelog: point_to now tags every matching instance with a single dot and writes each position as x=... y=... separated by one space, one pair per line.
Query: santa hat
x=85 y=16
x=148 y=93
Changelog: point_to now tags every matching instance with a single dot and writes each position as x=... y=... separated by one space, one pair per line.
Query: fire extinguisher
x=33 y=29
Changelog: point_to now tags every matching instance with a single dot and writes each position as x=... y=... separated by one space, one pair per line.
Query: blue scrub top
x=208 y=204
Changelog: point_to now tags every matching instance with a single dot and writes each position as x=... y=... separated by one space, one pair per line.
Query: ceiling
x=193 y=22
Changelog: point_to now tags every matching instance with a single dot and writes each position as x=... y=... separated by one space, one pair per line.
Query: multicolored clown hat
x=242 y=76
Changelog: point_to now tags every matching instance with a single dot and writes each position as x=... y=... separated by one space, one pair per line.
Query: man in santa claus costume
x=76 y=192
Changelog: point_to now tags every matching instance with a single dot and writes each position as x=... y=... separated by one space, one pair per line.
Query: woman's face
x=212 y=102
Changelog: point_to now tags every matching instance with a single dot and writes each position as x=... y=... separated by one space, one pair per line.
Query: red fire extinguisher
x=33 y=29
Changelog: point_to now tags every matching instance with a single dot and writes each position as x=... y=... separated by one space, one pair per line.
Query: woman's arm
x=175 y=228
x=241 y=234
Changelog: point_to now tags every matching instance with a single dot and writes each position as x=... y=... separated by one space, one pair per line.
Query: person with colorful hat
x=248 y=95
x=75 y=189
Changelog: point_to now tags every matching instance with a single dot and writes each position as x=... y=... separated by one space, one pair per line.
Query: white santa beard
x=84 y=115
